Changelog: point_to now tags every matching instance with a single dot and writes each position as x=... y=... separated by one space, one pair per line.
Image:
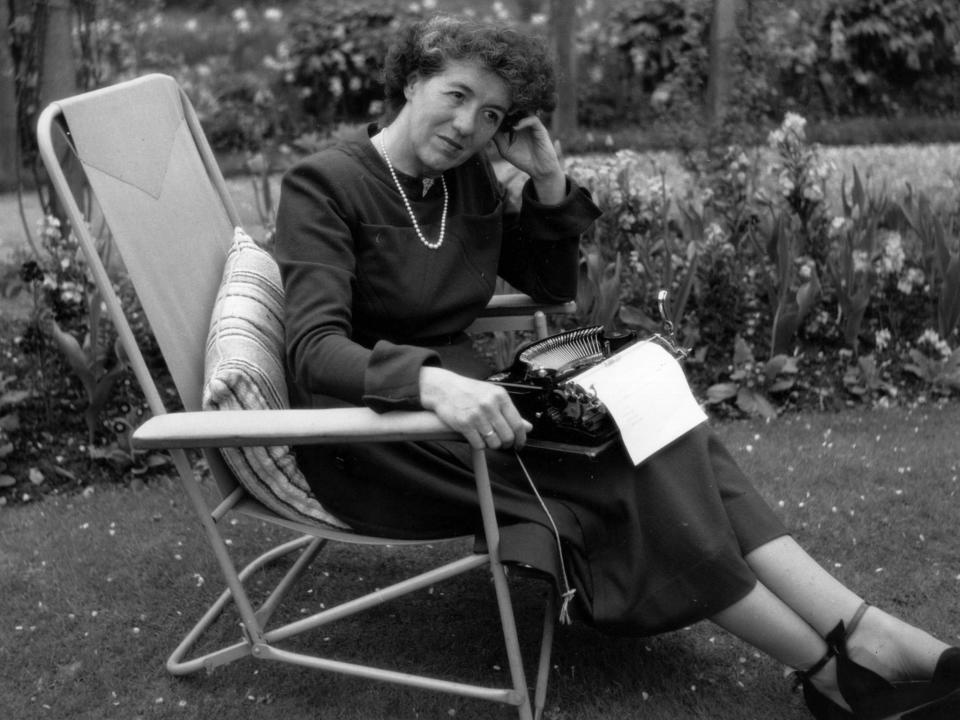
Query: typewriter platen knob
x=614 y=340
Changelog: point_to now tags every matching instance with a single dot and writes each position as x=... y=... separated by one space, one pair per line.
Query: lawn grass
x=97 y=590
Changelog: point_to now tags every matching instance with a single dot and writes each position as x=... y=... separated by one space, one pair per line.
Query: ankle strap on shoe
x=801 y=676
x=836 y=645
x=837 y=638
x=855 y=620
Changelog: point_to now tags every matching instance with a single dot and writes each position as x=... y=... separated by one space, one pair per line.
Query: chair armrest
x=520 y=304
x=236 y=428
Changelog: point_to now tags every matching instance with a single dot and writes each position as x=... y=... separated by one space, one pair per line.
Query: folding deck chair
x=160 y=192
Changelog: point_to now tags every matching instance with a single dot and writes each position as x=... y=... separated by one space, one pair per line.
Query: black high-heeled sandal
x=819 y=705
x=822 y=707
x=872 y=696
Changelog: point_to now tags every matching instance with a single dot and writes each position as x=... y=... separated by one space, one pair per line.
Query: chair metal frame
x=180 y=431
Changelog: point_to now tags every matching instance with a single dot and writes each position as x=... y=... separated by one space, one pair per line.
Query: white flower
x=785 y=183
x=838 y=225
x=893 y=254
x=775 y=138
x=714 y=233
x=794 y=123
x=660 y=96
x=273 y=14
x=861 y=261
x=932 y=339
x=814 y=193
x=882 y=339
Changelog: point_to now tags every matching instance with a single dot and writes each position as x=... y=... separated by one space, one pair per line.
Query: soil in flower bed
x=46 y=446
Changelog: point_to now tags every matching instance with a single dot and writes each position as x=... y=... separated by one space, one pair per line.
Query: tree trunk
x=58 y=72
x=9 y=157
x=58 y=80
x=723 y=35
x=563 y=27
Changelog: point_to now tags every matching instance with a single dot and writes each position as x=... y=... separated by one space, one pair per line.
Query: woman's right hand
x=481 y=411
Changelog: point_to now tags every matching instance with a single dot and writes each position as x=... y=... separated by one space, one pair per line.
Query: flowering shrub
x=769 y=272
x=642 y=60
x=914 y=59
x=334 y=56
x=68 y=336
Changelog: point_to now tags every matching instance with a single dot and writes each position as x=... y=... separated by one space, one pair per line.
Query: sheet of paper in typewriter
x=646 y=392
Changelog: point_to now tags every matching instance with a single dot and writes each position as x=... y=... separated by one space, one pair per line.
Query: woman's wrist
x=551 y=188
x=430 y=385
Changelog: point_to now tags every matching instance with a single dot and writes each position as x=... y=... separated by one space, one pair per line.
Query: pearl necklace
x=406 y=202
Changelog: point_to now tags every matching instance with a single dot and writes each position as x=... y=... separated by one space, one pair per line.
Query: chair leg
x=300 y=566
x=508 y=623
x=546 y=651
x=510 y=638
x=175 y=663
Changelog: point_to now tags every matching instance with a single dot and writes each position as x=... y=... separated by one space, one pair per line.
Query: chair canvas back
x=165 y=202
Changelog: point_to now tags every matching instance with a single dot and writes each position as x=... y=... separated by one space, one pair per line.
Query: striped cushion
x=243 y=370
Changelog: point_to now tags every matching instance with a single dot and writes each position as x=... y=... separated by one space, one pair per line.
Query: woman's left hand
x=529 y=148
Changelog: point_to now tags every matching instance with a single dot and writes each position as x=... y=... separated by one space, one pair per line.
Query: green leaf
x=782 y=385
x=155 y=461
x=742 y=353
x=635 y=317
x=948 y=304
x=753 y=403
x=14 y=397
x=807 y=295
x=858 y=194
x=74 y=355
x=721 y=391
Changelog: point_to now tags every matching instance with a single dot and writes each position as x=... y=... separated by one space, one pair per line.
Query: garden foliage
x=268 y=76
x=787 y=295
x=779 y=293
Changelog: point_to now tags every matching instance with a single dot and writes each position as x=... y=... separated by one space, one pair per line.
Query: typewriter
x=540 y=383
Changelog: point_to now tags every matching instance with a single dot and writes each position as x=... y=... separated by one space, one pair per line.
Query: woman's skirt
x=649 y=549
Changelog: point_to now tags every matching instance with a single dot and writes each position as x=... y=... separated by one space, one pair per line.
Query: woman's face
x=449 y=117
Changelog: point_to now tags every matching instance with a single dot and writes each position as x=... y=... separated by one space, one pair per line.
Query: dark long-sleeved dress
x=648 y=548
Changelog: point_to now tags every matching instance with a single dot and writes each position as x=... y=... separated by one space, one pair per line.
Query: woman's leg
x=766 y=622
x=883 y=643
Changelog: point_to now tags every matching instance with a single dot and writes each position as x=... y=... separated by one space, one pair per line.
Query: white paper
x=645 y=391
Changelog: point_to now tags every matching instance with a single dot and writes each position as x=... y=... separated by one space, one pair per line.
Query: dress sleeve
x=315 y=252
x=541 y=243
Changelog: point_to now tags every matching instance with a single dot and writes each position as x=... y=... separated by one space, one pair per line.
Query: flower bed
x=800 y=277
x=798 y=273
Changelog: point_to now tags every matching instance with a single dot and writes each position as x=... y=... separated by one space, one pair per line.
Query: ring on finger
x=490 y=433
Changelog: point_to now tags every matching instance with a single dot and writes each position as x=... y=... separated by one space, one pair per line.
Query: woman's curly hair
x=424 y=48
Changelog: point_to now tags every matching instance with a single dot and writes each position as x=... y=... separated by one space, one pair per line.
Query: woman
x=390 y=243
